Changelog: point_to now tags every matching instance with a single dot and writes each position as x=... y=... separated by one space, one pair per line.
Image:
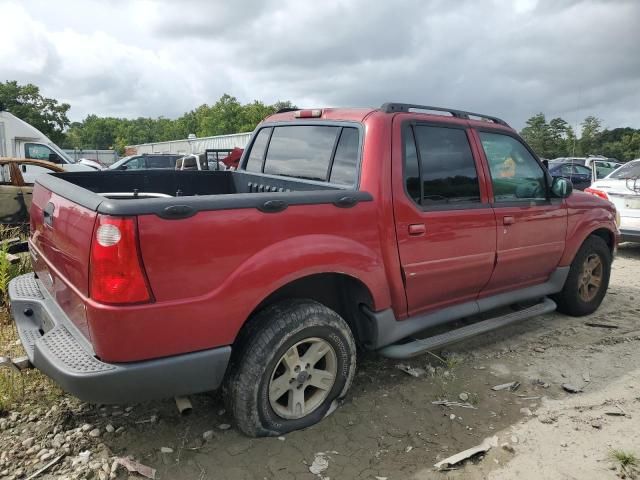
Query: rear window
x=161 y=162
x=313 y=152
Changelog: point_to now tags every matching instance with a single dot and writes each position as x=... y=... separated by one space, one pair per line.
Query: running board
x=417 y=347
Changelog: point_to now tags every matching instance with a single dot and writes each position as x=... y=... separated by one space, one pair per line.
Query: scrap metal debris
x=184 y=405
x=571 y=388
x=601 y=325
x=413 y=371
x=447 y=403
x=321 y=463
x=484 y=447
x=46 y=467
x=511 y=386
x=133 y=466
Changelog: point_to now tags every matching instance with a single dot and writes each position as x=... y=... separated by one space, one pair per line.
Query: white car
x=622 y=188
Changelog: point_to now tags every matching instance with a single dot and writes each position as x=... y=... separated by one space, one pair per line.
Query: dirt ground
x=388 y=426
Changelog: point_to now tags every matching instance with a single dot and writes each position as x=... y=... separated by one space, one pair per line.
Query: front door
x=445 y=227
x=531 y=227
x=37 y=151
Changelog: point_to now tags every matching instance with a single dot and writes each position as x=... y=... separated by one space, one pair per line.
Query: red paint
x=207 y=273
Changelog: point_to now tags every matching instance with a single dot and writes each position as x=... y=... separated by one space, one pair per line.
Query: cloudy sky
x=163 y=57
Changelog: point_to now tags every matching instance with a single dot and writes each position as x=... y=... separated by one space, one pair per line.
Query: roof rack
x=392 y=107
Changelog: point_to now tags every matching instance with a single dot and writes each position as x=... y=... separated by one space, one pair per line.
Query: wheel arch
x=343 y=293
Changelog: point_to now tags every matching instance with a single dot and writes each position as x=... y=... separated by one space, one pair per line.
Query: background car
x=622 y=188
x=15 y=192
x=147 y=161
x=579 y=175
x=604 y=166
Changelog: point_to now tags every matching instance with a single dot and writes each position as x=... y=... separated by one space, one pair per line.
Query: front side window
x=36 y=151
x=515 y=173
x=447 y=170
x=135 y=164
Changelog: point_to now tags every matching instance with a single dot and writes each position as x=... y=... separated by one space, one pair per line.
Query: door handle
x=417 y=229
x=509 y=220
x=24 y=168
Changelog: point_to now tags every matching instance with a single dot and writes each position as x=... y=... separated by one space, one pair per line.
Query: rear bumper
x=55 y=347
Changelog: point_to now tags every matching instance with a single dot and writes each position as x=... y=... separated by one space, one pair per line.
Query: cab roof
x=359 y=114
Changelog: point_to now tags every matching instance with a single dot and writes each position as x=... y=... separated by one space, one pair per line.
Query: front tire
x=588 y=279
x=292 y=362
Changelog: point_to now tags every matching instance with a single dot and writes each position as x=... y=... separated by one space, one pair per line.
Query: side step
x=416 y=347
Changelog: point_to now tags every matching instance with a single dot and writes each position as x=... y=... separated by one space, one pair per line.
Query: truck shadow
x=388 y=423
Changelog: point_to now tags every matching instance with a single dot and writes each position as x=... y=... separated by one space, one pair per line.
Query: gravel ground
x=388 y=426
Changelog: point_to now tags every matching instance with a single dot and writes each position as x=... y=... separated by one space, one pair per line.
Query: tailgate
x=60 y=242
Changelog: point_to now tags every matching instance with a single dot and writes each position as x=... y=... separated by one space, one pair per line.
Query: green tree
x=26 y=103
x=591 y=127
x=538 y=134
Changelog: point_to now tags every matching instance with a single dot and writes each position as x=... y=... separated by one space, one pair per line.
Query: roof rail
x=392 y=107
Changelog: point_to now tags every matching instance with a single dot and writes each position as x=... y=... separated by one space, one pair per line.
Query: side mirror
x=54 y=158
x=561 y=187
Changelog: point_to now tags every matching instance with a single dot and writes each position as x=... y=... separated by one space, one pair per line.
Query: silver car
x=622 y=188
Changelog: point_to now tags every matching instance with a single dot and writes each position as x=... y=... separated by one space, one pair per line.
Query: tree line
x=225 y=116
x=555 y=138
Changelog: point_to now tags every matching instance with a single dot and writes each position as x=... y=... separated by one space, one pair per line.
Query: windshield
x=119 y=162
x=62 y=154
x=629 y=170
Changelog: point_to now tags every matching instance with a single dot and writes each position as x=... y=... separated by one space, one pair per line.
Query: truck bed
x=180 y=194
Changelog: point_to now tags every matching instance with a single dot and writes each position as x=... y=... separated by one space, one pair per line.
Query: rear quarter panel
x=209 y=272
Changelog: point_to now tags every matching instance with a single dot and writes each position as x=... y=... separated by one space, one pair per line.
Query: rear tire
x=291 y=363
x=588 y=279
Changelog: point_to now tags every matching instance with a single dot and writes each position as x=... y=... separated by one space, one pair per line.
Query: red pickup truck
x=341 y=228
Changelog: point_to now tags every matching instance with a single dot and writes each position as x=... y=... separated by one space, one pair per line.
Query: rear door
x=445 y=226
x=531 y=227
x=580 y=177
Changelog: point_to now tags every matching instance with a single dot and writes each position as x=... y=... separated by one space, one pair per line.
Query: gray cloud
x=566 y=58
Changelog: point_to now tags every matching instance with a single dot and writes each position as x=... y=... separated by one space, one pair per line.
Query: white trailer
x=18 y=139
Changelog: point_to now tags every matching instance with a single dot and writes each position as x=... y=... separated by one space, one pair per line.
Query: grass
x=16 y=386
x=627 y=461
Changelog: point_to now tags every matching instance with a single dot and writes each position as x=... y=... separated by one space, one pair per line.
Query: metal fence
x=195 y=145
x=103 y=156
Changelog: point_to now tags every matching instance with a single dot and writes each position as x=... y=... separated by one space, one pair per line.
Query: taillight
x=116 y=274
x=597 y=193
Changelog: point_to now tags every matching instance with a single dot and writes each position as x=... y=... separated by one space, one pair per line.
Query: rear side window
x=161 y=162
x=254 y=163
x=325 y=153
x=446 y=166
